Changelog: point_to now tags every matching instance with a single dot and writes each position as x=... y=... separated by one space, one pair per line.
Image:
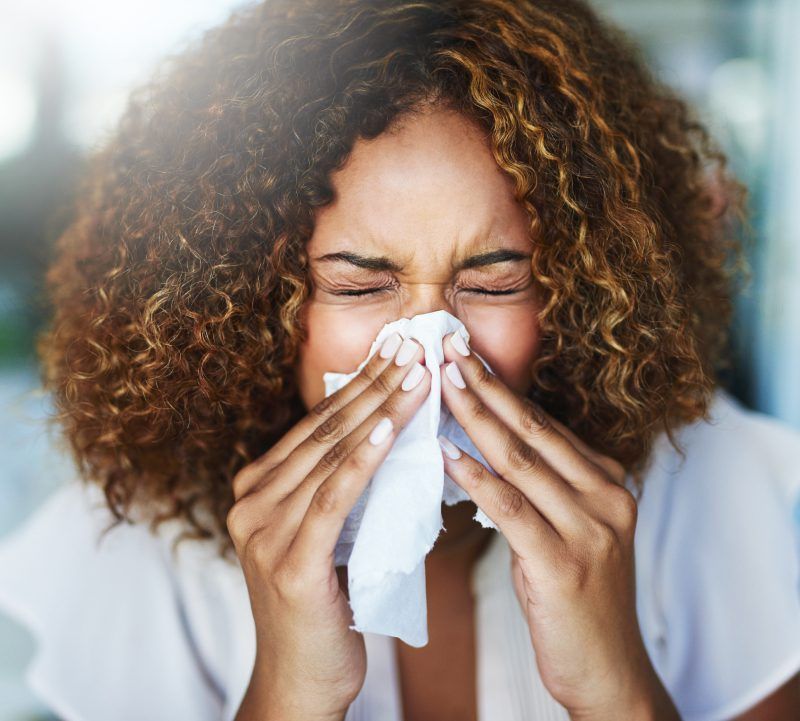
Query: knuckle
x=241 y=481
x=475 y=474
x=534 y=420
x=602 y=538
x=235 y=521
x=484 y=380
x=523 y=457
x=616 y=469
x=322 y=409
x=334 y=457
x=358 y=465
x=383 y=384
x=325 y=500
x=510 y=500
x=389 y=407
x=251 y=479
x=373 y=369
x=258 y=549
x=288 y=581
x=624 y=507
x=237 y=487
x=330 y=430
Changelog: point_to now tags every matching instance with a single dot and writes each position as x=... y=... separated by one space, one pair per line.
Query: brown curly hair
x=177 y=287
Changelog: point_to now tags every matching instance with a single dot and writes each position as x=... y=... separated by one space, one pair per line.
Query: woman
x=308 y=172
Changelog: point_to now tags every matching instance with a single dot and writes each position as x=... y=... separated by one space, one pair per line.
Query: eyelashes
x=376 y=291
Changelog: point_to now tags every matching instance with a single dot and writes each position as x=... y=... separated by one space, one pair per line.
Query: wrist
x=296 y=706
x=266 y=699
x=285 y=714
x=647 y=702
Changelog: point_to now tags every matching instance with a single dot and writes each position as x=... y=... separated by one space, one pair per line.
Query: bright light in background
x=739 y=93
x=19 y=113
x=88 y=120
x=107 y=48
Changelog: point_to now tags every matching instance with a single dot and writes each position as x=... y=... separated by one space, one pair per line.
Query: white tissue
x=396 y=521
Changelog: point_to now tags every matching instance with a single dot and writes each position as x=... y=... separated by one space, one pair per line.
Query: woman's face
x=416 y=211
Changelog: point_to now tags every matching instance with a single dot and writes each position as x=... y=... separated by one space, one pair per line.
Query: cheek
x=507 y=338
x=334 y=343
x=509 y=341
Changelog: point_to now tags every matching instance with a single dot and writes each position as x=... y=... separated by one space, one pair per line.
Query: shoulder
x=731 y=436
x=109 y=612
x=719 y=560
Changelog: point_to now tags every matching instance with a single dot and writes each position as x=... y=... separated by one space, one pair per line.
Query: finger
x=334 y=439
x=611 y=466
x=528 y=531
x=299 y=450
x=246 y=480
x=511 y=457
x=375 y=365
x=400 y=407
x=389 y=363
x=561 y=448
x=315 y=542
x=290 y=505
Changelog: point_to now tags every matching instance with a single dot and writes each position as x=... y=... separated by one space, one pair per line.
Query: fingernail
x=381 y=431
x=390 y=345
x=413 y=377
x=449 y=448
x=406 y=352
x=459 y=343
x=455 y=375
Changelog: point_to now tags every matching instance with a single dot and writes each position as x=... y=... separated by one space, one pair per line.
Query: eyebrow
x=374 y=262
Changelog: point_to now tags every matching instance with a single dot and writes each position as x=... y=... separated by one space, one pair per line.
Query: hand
x=569 y=523
x=290 y=507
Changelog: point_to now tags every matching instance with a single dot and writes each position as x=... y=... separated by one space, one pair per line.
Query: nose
x=426 y=298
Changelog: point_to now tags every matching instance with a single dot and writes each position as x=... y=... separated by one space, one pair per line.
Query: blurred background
x=66 y=67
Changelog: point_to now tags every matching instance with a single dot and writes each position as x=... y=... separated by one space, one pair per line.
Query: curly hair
x=177 y=286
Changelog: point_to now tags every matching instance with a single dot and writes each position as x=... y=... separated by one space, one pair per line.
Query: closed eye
x=486 y=291
x=365 y=291
x=375 y=291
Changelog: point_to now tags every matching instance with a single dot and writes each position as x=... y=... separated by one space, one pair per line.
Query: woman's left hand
x=569 y=522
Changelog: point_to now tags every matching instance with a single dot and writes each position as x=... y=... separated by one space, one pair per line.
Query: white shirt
x=126 y=632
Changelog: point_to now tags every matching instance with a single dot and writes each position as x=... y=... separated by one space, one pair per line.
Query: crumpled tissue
x=397 y=519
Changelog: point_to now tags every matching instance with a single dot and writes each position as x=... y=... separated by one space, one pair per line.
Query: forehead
x=429 y=183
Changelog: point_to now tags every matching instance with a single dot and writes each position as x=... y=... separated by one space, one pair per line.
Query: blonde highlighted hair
x=176 y=290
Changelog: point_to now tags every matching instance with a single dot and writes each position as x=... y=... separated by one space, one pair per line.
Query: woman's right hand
x=290 y=507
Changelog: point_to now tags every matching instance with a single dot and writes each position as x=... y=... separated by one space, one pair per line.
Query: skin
x=424 y=196
x=290 y=506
